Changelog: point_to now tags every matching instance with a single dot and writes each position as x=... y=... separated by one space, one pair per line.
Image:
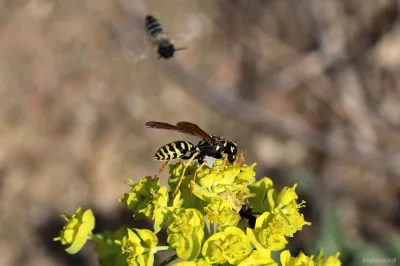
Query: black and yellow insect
x=209 y=145
x=159 y=38
x=173 y=150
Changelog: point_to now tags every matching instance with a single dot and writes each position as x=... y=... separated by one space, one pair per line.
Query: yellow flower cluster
x=138 y=246
x=303 y=260
x=77 y=230
x=231 y=245
x=204 y=221
x=186 y=232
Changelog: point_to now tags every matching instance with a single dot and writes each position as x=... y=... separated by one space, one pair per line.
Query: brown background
x=310 y=89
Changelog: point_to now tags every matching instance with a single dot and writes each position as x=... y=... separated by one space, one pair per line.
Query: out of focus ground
x=310 y=89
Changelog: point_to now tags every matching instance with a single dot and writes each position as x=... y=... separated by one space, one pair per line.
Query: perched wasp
x=159 y=38
x=210 y=145
x=247 y=213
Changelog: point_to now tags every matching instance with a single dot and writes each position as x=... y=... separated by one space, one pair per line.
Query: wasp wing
x=128 y=32
x=162 y=125
x=199 y=132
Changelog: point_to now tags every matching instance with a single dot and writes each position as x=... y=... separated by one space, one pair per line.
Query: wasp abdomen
x=173 y=150
x=152 y=25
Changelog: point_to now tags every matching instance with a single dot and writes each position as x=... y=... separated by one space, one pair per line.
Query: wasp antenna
x=181 y=48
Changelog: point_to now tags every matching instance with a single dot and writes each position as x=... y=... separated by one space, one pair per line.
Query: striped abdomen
x=173 y=150
x=152 y=25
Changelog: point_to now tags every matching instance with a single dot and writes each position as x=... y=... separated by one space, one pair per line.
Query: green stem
x=158 y=248
x=168 y=260
x=211 y=228
x=96 y=237
x=206 y=231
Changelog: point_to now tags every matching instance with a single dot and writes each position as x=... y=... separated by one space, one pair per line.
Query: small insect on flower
x=247 y=213
x=159 y=38
x=210 y=145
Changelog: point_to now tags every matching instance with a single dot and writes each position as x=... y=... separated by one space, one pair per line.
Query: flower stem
x=206 y=231
x=96 y=237
x=158 y=248
x=168 y=260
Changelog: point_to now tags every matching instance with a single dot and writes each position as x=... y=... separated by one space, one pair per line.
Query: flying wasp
x=159 y=38
x=209 y=145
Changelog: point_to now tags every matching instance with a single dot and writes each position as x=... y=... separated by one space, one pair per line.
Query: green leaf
x=329 y=237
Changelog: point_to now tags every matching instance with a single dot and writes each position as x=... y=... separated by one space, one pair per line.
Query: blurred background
x=309 y=88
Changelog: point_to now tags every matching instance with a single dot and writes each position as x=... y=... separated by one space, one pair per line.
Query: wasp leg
x=224 y=159
x=241 y=159
x=195 y=173
x=183 y=173
x=162 y=168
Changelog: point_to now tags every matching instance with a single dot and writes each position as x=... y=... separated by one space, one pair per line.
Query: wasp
x=246 y=212
x=159 y=38
x=209 y=145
